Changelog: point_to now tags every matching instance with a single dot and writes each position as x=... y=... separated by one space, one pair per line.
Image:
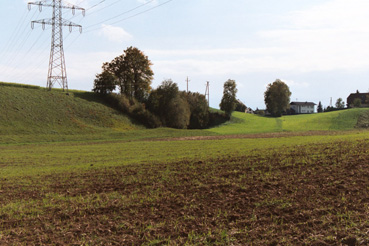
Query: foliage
x=259 y=112
x=340 y=104
x=133 y=72
x=163 y=102
x=228 y=103
x=199 y=110
x=104 y=83
x=320 y=107
x=240 y=106
x=277 y=98
x=134 y=109
x=216 y=119
x=178 y=109
x=357 y=103
x=178 y=113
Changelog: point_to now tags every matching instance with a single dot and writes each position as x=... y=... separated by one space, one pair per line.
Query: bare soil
x=306 y=195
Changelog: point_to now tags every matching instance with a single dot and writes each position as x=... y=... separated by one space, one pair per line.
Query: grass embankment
x=332 y=121
x=310 y=190
x=31 y=114
x=33 y=110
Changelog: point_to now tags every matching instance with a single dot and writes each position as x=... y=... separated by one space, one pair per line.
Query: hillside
x=32 y=114
x=242 y=123
x=31 y=110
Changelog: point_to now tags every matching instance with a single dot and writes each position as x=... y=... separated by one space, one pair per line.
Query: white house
x=303 y=107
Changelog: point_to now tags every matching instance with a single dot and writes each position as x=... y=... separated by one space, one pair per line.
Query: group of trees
x=178 y=109
x=164 y=106
x=131 y=73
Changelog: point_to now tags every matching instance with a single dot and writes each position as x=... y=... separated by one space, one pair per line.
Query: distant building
x=364 y=97
x=302 y=107
x=249 y=111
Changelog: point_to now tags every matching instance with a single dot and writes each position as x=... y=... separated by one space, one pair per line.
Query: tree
x=159 y=98
x=166 y=102
x=133 y=72
x=320 y=107
x=357 y=103
x=199 y=110
x=240 y=106
x=228 y=103
x=104 y=83
x=277 y=98
x=178 y=113
x=340 y=104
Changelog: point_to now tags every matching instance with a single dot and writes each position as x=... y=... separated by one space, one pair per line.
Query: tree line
x=166 y=105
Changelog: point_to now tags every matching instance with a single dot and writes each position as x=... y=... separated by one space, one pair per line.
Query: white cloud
x=328 y=37
x=114 y=34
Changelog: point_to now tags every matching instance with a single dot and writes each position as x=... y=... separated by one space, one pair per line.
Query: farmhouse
x=364 y=97
x=302 y=107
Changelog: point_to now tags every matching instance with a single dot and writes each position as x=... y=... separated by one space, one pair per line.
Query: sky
x=319 y=48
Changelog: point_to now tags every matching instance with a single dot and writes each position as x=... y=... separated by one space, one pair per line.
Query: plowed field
x=301 y=195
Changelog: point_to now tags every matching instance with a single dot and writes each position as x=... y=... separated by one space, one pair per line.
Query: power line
x=121 y=14
x=16 y=41
x=93 y=6
x=129 y=17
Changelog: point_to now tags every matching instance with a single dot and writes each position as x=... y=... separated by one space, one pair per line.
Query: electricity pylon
x=57 y=70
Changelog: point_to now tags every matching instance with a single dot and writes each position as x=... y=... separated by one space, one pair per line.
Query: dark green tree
x=133 y=72
x=340 y=104
x=104 y=83
x=178 y=113
x=159 y=98
x=277 y=98
x=199 y=110
x=228 y=103
x=167 y=102
x=240 y=106
x=320 y=107
x=357 y=103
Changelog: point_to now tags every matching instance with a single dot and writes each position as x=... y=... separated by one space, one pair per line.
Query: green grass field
x=30 y=114
x=245 y=123
x=75 y=172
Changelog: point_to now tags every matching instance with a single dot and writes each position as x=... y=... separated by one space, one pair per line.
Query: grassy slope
x=32 y=114
x=32 y=111
x=245 y=123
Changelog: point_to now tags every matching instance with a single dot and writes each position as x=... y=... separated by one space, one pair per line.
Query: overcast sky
x=320 y=48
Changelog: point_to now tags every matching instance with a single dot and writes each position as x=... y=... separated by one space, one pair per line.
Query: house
x=249 y=111
x=302 y=107
x=364 y=97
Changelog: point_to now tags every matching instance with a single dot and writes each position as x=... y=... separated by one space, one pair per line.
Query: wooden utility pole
x=187 y=83
x=207 y=92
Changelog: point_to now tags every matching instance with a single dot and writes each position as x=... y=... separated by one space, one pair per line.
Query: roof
x=303 y=103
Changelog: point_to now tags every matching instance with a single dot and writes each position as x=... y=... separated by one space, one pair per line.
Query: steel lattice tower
x=57 y=69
